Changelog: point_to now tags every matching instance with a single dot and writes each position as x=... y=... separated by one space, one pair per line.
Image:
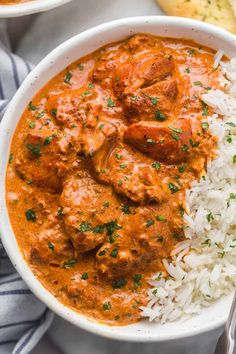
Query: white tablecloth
x=34 y=37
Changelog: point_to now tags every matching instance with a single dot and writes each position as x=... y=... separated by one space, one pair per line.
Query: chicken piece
x=141 y=71
x=142 y=239
x=51 y=246
x=84 y=200
x=168 y=144
x=40 y=149
x=143 y=42
x=129 y=176
x=144 y=103
x=97 y=141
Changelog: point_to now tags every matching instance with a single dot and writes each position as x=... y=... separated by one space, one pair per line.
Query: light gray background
x=33 y=37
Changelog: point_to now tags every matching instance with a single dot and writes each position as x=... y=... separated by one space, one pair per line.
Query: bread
x=217 y=12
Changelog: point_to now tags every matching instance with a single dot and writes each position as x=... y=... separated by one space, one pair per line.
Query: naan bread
x=217 y=12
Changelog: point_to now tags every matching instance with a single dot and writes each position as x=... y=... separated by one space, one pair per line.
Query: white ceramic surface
x=62 y=56
x=29 y=7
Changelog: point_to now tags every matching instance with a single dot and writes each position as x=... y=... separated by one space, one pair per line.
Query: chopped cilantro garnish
x=106 y=306
x=32 y=125
x=84 y=227
x=156 y=165
x=119 y=283
x=67 y=78
x=137 y=279
x=70 y=263
x=172 y=187
x=30 y=215
x=84 y=276
x=110 y=103
x=160 y=218
x=125 y=208
x=34 y=149
x=51 y=246
x=114 y=253
x=160 y=116
x=31 y=107
x=149 y=223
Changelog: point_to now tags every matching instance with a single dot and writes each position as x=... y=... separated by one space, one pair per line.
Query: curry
x=99 y=166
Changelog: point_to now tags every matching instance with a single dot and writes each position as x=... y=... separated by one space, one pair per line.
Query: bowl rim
x=29 y=7
x=8 y=237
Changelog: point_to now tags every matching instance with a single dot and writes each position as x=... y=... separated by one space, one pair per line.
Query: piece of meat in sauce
x=146 y=83
x=35 y=162
x=51 y=246
x=87 y=206
x=166 y=143
x=144 y=237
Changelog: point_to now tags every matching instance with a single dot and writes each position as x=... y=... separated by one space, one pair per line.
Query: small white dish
x=78 y=46
x=29 y=7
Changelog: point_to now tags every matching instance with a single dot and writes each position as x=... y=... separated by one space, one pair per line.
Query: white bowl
x=76 y=47
x=29 y=7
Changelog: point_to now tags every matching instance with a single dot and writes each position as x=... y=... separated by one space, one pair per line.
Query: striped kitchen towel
x=23 y=318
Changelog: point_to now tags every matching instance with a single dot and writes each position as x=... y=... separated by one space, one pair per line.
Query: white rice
x=203 y=267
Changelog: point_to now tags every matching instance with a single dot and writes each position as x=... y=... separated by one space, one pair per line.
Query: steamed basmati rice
x=203 y=267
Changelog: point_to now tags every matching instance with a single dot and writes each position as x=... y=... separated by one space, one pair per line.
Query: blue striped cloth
x=23 y=318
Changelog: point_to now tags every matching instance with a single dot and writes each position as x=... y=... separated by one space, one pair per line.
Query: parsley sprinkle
x=110 y=103
x=172 y=187
x=32 y=125
x=106 y=306
x=194 y=143
x=177 y=130
x=156 y=165
x=185 y=148
x=205 y=125
x=160 y=218
x=205 y=110
x=182 y=168
x=54 y=112
x=67 y=78
x=160 y=116
x=197 y=83
x=31 y=107
x=84 y=276
x=232 y=196
x=175 y=136
x=51 y=246
x=30 y=215
x=181 y=212
x=231 y=124
x=119 y=156
x=154 y=100
x=48 y=140
x=84 y=227
x=90 y=86
x=102 y=253
x=150 y=141
x=191 y=51
x=34 y=149
x=123 y=165
x=10 y=158
x=114 y=253
x=137 y=279
x=149 y=223
x=229 y=139
x=119 y=283
x=125 y=208
x=160 y=238
x=234 y=159
x=99 y=229
x=70 y=263
x=187 y=70
x=210 y=217
x=80 y=67
x=106 y=205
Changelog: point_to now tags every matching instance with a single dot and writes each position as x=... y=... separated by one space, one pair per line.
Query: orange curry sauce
x=99 y=165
